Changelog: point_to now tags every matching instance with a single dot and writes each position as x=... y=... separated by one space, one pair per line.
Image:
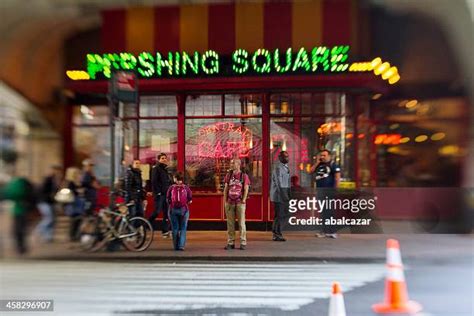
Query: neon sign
x=209 y=63
x=224 y=140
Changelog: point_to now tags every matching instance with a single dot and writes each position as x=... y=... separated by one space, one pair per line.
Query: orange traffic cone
x=396 y=296
x=336 y=303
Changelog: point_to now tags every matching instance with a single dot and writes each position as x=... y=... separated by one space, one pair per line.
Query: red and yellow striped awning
x=228 y=26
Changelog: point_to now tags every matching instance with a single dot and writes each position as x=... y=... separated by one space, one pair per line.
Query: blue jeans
x=160 y=205
x=179 y=223
x=46 y=226
x=136 y=209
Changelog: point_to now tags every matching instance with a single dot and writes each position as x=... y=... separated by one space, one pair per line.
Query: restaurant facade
x=234 y=80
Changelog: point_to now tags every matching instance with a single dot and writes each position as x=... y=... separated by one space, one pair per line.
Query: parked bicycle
x=136 y=233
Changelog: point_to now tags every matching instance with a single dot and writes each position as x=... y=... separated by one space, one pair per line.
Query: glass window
x=415 y=110
x=90 y=115
x=212 y=143
x=422 y=154
x=163 y=105
x=243 y=104
x=365 y=145
x=93 y=143
x=420 y=143
x=159 y=136
x=128 y=109
x=328 y=103
x=304 y=137
x=203 y=105
x=128 y=131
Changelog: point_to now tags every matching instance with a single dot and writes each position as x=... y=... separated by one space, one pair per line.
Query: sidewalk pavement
x=301 y=246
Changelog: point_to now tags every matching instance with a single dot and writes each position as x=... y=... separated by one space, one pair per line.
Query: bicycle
x=136 y=233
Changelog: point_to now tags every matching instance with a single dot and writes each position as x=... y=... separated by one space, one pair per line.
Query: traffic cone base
x=409 y=307
x=396 y=295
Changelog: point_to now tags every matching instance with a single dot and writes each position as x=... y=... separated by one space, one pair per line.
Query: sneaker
x=181 y=249
x=242 y=247
x=278 y=238
x=166 y=235
x=333 y=236
x=228 y=247
x=320 y=235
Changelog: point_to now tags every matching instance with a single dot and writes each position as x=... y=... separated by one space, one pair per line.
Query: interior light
x=411 y=104
x=84 y=110
x=449 y=150
x=421 y=138
x=404 y=140
x=438 y=136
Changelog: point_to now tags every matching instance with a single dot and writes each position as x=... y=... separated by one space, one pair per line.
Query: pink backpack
x=179 y=196
x=236 y=187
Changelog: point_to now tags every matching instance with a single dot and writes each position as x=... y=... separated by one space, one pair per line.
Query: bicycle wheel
x=138 y=234
x=88 y=233
x=103 y=235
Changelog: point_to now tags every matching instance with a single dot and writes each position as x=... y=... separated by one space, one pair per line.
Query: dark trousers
x=160 y=206
x=19 y=232
x=136 y=209
x=280 y=218
x=75 y=224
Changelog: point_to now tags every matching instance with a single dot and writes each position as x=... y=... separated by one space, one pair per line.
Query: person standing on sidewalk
x=90 y=184
x=280 y=188
x=134 y=189
x=328 y=176
x=160 y=183
x=178 y=197
x=236 y=190
x=48 y=189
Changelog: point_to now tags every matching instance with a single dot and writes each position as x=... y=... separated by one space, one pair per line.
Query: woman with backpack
x=179 y=196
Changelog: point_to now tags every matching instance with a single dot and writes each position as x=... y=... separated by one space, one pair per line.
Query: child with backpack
x=179 y=196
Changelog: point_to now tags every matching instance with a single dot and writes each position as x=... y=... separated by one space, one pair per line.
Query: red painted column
x=266 y=168
x=181 y=101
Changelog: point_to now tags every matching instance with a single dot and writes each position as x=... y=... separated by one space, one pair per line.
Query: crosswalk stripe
x=107 y=287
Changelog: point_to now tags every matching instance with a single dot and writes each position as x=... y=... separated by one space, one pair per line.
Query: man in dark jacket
x=90 y=184
x=134 y=189
x=160 y=182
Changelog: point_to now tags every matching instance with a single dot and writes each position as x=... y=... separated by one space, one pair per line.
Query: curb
x=211 y=259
